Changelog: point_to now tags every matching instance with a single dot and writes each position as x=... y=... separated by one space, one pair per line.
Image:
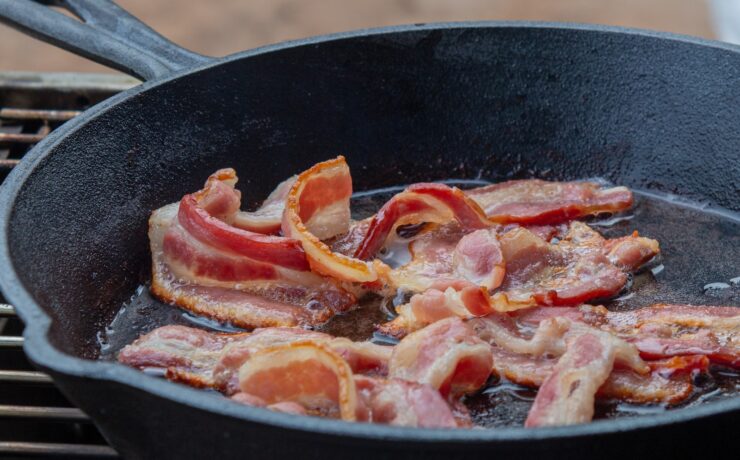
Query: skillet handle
x=105 y=33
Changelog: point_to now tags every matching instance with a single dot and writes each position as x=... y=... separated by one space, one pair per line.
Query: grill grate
x=36 y=420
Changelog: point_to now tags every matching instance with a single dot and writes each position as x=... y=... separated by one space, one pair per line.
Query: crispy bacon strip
x=404 y=403
x=445 y=355
x=269 y=216
x=535 y=201
x=306 y=373
x=317 y=208
x=567 y=395
x=426 y=202
x=208 y=359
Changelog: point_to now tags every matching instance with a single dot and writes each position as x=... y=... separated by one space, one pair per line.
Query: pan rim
x=42 y=352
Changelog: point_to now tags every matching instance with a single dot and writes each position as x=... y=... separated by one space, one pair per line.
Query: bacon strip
x=478 y=259
x=567 y=395
x=202 y=263
x=303 y=369
x=305 y=373
x=535 y=201
x=445 y=355
x=659 y=386
x=285 y=407
x=529 y=361
x=268 y=218
x=195 y=217
x=551 y=337
x=208 y=359
x=421 y=203
x=575 y=270
x=579 y=268
x=404 y=403
x=661 y=331
x=317 y=208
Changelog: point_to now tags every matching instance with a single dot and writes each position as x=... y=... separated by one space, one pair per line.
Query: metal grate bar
x=21 y=138
x=29 y=114
x=57 y=414
x=6 y=310
x=54 y=450
x=28 y=117
x=10 y=342
x=9 y=163
x=24 y=377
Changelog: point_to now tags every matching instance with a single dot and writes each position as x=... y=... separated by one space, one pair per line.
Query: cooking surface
x=700 y=248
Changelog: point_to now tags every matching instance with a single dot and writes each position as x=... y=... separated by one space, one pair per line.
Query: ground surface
x=219 y=27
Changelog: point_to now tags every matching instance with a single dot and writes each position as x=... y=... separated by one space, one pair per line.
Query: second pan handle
x=104 y=33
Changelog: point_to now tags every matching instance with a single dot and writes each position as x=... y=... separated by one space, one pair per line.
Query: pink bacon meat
x=446 y=355
x=404 y=403
x=317 y=208
x=305 y=373
x=421 y=203
x=661 y=331
x=664 y=384
x=528 y=359
x=200 y=216
x=581 y=267
x=567 y=395
x=203 y=262
x=535 y=201
x=294 y=371
x=268 y=218
x=208 y=359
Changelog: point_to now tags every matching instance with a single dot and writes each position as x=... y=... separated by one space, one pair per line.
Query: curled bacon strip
x=306 y=373
x=535 y=201
x=200 y=220
x=318 y=208
x=421 y=203
x=269 y=216
x=200 y=261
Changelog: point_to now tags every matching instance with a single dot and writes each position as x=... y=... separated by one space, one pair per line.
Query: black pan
x=653 y=111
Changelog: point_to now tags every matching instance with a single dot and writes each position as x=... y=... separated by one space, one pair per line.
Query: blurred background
x=220 y=27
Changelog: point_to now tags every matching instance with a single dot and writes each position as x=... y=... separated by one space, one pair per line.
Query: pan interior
x=690 y=270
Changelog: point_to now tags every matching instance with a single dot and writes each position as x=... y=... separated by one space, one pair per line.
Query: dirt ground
x=220 y=27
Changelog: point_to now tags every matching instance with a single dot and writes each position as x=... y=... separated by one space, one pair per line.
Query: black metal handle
x=105 y=33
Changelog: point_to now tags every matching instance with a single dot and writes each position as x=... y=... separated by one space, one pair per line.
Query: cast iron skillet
x=649 y=110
